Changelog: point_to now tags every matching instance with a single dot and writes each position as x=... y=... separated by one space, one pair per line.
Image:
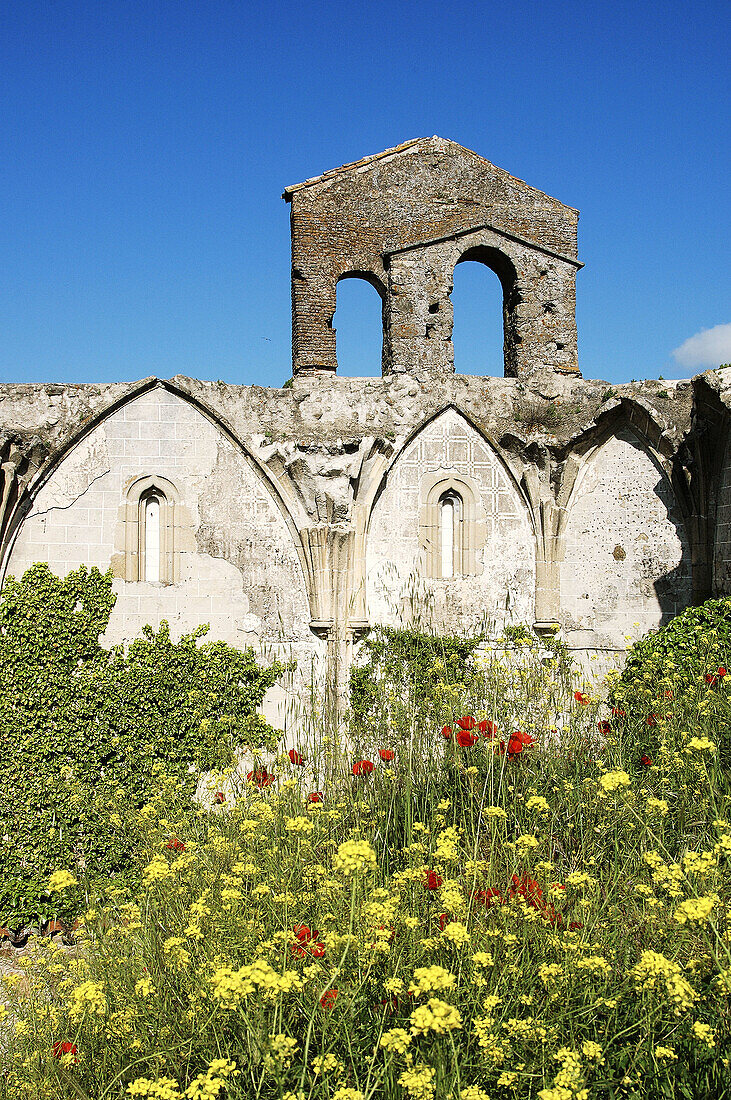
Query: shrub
x=680 y=661
x=414 y=667
x=85 y=730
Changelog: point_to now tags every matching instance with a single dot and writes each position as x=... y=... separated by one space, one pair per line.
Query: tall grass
x=544 y=916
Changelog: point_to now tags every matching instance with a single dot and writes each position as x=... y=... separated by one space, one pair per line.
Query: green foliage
x=84 y=730
x=673 y=663
x=416 y=667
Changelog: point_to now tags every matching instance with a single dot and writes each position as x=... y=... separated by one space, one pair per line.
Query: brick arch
x=499 y=262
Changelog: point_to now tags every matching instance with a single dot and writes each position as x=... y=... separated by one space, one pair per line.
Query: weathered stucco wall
x=626 y=567
x=502 y=588
x=238 y=567
x=294 y=503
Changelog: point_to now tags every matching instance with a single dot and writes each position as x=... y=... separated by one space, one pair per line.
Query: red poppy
x=446 y=732
x=712 y=678
x=581 y=697
x=261 y=777
x=465 y=740
x=526 y=887
x=433 y=880
x=604 y=726
x=517 y=741
x=316 y=796
x=617 y=713
x=466 y=723
x=575 y=925
x=307 y=942
x=329 y=997
x=488 y=896
x=443 y=920
x=386 y=754
x=487 y=728
x=651 y=720
x=219 y=798
x=60 y=1048
x=363 y=767
x=175 y=845
x=646 y=761
x=295 y=757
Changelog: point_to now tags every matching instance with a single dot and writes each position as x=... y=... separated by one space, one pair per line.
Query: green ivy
x=86 y=731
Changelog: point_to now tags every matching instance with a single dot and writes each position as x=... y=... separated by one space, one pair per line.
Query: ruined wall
x=502 y=588
x=298 y=517
x=301 y=511
x=402 y=219
x=237 y=564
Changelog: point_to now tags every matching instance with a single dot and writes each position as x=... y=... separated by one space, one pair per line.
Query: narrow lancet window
x=449 y=530
x=152 y=539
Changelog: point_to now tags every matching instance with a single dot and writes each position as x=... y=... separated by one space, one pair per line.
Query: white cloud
x=708 y=348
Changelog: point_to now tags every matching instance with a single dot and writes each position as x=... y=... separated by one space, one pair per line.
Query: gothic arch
x=624 y=551
x=283 y=498
x=229 y=547
x=446 y=451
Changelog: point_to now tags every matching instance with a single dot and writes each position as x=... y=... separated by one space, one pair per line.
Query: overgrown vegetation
x=497 y=890
x=85 y=730
x=680 y=661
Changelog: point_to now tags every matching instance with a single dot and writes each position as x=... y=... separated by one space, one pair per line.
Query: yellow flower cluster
x=327 y=1064
x=417 y=1080
x=436 y=1016
x=654 y=972
x=614 y=781
x=87 y=998
x=704 y=1033
x=700 y=744
x=208 y=1085
x=232 y=986
x=430 y=979
x=447 y=846
x=354 y=857
x=299 y=826
x=457 y=933
x=395 y=1041
x=60 y=880
x=697 y=910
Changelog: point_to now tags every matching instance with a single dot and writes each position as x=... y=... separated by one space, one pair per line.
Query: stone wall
x=294 y=518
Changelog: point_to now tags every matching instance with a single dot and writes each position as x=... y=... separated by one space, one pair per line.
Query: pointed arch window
x=151 y=550
x=452 y=528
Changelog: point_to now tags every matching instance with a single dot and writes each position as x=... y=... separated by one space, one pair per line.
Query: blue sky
x=145 y=147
